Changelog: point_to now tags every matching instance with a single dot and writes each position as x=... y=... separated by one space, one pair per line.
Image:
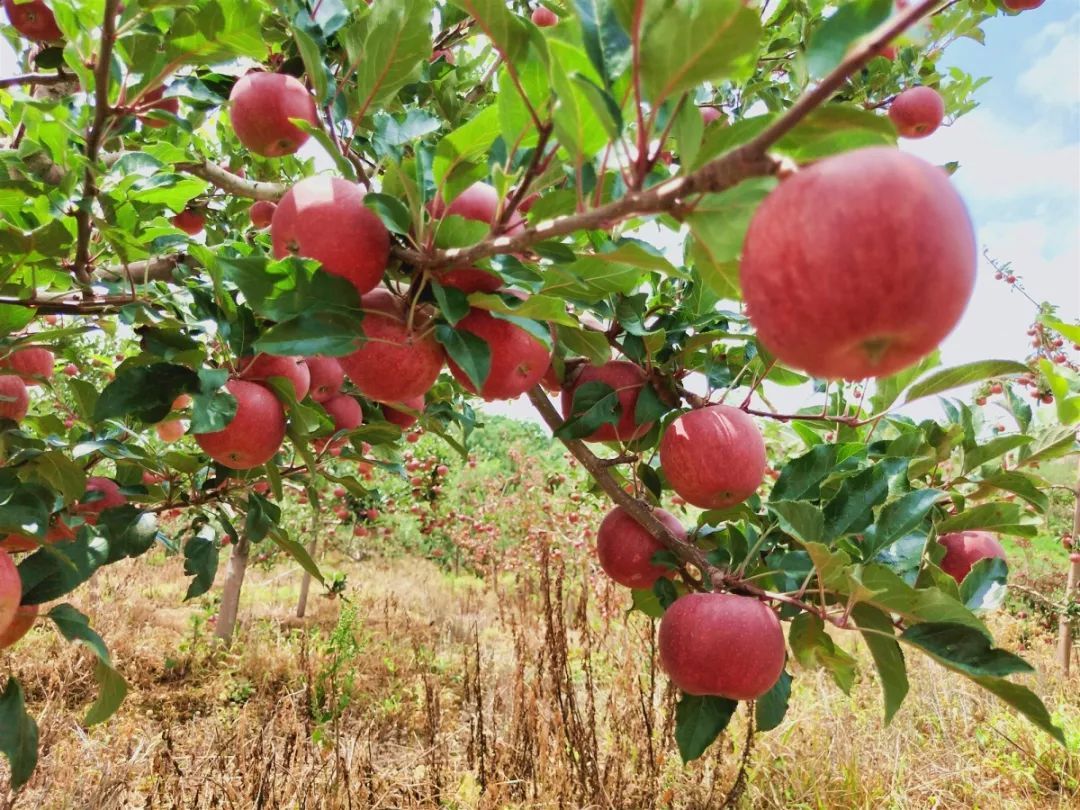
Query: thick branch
x=40 y=79
x=232 y=183
x=160 y=268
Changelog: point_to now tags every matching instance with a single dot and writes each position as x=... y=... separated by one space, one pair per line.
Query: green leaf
x=801 y=477
x=666 y=592
x=595 y=404
x=963 y=375
x=145 y=392
x=606 y=41
x=800 y=519
x=297 y=552
x=699 y=719
x=977 y=456
x=75 y=626
x=851 y=509
x=645 y=600
x=1024 y=701
x=963 y=649
x=898 y=518
x=18 y=734
x=392 y=211
x=469 y=352
x=213 y=407
x=55 y=570
x=770 y=708
x=836 y=128
x=506 y=30
x=888 y=389
x=1006 y=518
x=24 y=508
x=461 y=148
x=1021 y=484
x=853 y=20
x=585 y=342
x=984 y=586
x=691 y=42
x=877 y=629
x=1054 y=442
x=332 y=334
x=813 y=648
x=200 y=562
x=1064 y=384
x=262 y=515
x=397 y=44
x=1069 y=331
x=111 y=693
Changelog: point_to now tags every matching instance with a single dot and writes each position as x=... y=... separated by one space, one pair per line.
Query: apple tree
x=311 y=224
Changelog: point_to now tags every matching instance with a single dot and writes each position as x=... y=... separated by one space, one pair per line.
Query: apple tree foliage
x=576 y=127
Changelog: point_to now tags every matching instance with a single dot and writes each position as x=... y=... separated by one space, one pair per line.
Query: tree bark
x=230 y=591
x=1072 y=590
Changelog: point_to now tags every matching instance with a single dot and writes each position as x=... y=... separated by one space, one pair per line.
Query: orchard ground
x=492 y=651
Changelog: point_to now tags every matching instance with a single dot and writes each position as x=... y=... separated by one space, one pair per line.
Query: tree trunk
x=1072 y=589
x=305 y=583
x=230 y=592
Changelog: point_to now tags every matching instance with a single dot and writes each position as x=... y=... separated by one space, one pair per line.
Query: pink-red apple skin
x=1023 y=5
x=10 y=590
x=395 y=363
x=710 y=114
x=469 y=279
x=14 y=398
x=964 y=549
x=518 y=359
x=859 y=265
x=721 y=644
x=264 y=366
x=628 y=379
x=33 y=364
x=326 y=377
x=345 y=411
x=58 y=532
x=262 y=214
x=714 y=457
x=400 y=418
x=33 y=20
x=261 y=106
x=152 y=100
x=544 y=17
x=917 y=112
x=625 y=549
x=479 y=202
x=109 y=496
x=254 y=435
x=170 y=430
x=190 y=222
x=19 y=626
x=324 y=218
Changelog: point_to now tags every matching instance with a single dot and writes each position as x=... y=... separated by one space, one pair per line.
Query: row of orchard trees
x=478 y=235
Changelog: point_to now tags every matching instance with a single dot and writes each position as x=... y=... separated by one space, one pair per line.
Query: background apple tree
x=524 y=196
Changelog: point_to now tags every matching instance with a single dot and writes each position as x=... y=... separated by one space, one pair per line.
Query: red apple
x=518 y=359
x=170 y=430
x=34 y=20
x=324 y=218
x=1023 y=5
x=71 y=370
x=264 y=366
x=625 y=548
x=345 y=411
x=10 y=591
x=714 y=457
x=394 y=364
x=19 y=626
x=721 y=644
x=469 y=279
x=58 y=532
x=190 y=221
x=326 y=376
x=262 y=213
x=964 y=549
x=917 y=112
x=254 y=435
x=106 y=495
x=261 y=106
x=627 y=379
x=544 y=17
x=710 y=114
x=859 y=265
x=479 y=202
x=14 y=398
x=152 y=100
x=401 y=418
x=33 y=364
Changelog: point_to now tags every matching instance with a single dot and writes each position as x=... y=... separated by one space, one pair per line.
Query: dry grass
x=533 y=690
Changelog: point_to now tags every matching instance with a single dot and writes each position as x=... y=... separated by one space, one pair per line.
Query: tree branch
x=39 y=79
x=233 y=183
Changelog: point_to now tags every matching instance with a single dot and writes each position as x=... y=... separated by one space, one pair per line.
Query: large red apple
x=345 y=411
x=714 y=457
x=326 y=376
x=10 y=591
x=544 y=17
x=261 y=106
x=324 y=218
x=33 y=364
x=152 y=100
x=401 y=418
x=14 y=398
x=254 y=435
x=104 y=494
x=262 y=214
x=627 y=379
x=518 y=359
x=395 y=363
x=917 y=112
x=190 y=221
x=625 y=549
x=721 y=644
x=264 y=366
x=964 y=549
x=34 y=20
x=859 y=265
x=19 y=626
x=469 y=279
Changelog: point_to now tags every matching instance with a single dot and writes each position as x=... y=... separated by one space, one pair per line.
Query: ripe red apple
x=917 y=112
x=190 y=221
x=544 y=17
x=858 y=265
x=324 y=218
x=479 y=202
x=714 y=457
x=71 y=370
x=627 y=379
x=19 y=626
x=14 y=398
x=254 y=435
x=260 y=106
x=964 y=549
x=152 y=100
x=262 y=213
x=469 y=279
x=401 y=418
x=32 y=364
x=34 y=20
x=394 y=364
x=264 y=366
x=721 y=644
x=710 y=114
x=107 y=495
x=326 y=377
x=518 y=359
x=10 y=591
x=1023 y=5
x=58 y=532
x=625 y=549
x=345 y=411
x=170 y=430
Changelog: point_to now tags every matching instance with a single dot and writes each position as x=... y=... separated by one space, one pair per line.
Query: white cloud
x=1054 y=78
